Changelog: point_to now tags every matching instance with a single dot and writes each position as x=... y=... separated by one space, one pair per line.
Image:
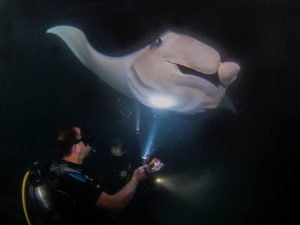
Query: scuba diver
x=119 y=166
x=78 y=198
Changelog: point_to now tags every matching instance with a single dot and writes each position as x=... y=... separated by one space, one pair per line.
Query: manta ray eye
x=156 y=43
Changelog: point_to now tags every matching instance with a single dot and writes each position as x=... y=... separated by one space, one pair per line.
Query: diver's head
x=72 y=144
x=116 y=148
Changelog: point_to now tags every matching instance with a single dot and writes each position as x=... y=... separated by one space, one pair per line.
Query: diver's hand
x=140 y=173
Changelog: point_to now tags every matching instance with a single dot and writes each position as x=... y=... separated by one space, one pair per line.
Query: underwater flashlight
x=155 y=165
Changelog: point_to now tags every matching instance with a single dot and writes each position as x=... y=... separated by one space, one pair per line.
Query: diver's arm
x=120 y=199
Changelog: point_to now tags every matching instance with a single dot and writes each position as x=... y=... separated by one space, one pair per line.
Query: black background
x=252 y=154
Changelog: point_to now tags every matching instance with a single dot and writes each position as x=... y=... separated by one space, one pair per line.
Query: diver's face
x=85 y=148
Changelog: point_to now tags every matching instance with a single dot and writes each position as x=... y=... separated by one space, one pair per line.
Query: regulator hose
x=24 y=197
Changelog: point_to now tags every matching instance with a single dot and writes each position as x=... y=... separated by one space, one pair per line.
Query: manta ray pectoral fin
x=113 y=70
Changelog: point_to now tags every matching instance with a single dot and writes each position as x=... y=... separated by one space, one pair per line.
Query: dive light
x=155 y=165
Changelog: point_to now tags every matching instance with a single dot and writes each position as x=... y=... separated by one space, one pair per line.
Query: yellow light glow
x=158 y=180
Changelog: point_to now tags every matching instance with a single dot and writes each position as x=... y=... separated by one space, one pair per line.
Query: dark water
x=236 y=168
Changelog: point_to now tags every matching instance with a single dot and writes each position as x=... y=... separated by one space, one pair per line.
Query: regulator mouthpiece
x=93 y=150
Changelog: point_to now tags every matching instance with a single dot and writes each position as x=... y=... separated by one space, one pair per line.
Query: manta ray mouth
x=212 y=78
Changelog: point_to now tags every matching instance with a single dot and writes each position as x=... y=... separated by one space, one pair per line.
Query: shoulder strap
x=78 y=176
x=61 y=169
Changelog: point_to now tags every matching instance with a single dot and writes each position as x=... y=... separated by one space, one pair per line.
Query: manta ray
x=175 y=72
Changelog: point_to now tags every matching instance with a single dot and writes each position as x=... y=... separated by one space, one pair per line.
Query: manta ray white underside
x=176 y=71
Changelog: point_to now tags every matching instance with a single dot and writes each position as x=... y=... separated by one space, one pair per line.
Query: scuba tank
x=41 y=190
x=41 y=193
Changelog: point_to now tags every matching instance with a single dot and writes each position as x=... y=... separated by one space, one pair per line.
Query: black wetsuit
x=76 y=195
